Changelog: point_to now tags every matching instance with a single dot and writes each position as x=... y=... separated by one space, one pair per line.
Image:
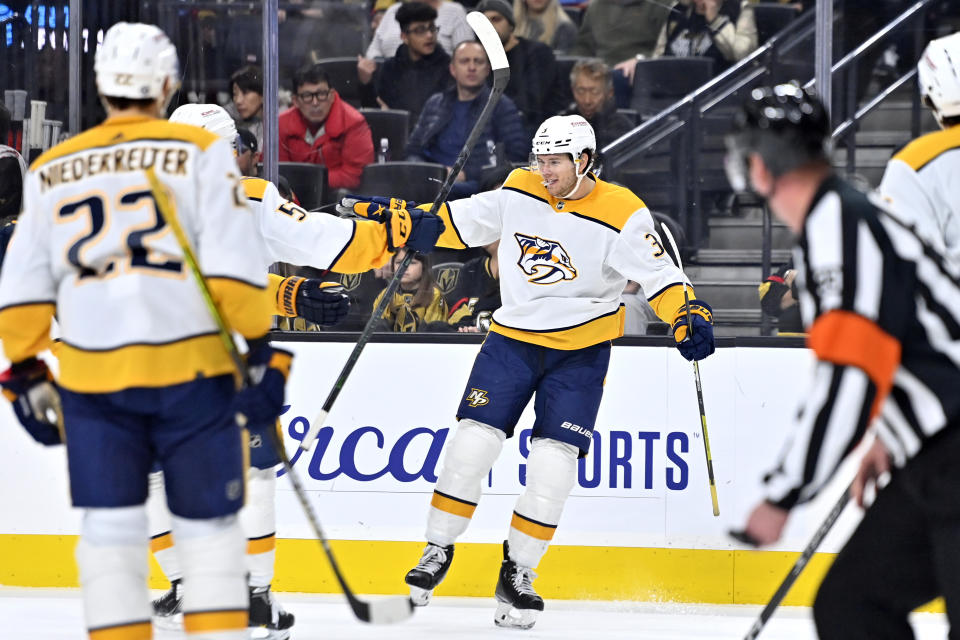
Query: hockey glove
x=406 y=225
x=262 y=399
x=772 y=291
x=323 y=303
x=30 y=387
x=699 y=343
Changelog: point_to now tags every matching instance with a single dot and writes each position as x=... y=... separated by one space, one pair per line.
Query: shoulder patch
x=254 y=188
x=926 y=148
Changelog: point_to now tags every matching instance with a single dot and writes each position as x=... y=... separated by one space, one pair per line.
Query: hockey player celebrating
x=143 y=376
x=287 y=233
x=881 y=309
x=920 y=181
x=568 y=244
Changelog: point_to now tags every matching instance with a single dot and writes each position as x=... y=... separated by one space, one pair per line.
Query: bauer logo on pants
x=477 y=398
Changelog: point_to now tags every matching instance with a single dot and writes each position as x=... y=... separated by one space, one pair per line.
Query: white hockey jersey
x=921 y=185
x=92 y=247
x=564 y=263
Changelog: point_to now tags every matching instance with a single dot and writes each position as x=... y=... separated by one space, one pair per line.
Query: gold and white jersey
x=92 y=247
x=564 y=263
x=920 y=185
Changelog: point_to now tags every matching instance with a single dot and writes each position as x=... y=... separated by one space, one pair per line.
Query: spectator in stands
x=247 y=105
x=619 y=31
x=545 y=21
x=592 y=85
x=477 y=293
x=12 y=171
x=418 y=301
x=376 y=16
x=532 y=68
x=722 y=30
x=778 y=298
x=447 y=118
x=416 y=72
x=451 y=19
x=247 y=153
x=321 y=128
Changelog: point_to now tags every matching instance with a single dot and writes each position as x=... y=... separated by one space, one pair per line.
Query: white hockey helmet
x=939 y=76
x=211 y=117
x=565 y=134
x=136 y=61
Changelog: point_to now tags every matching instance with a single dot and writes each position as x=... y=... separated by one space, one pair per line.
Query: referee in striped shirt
x=882 y=310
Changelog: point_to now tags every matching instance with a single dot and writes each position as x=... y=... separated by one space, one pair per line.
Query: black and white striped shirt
x=882 y=309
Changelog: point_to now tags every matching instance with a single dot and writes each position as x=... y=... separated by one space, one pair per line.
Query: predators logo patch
x=477 y=398
x=351 y=281
x=545 y=261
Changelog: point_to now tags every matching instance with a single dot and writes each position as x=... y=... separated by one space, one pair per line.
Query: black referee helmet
x=785 y=124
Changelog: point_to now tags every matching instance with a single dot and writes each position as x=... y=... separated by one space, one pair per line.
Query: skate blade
x=512 y=618
x=169 y=623
x=262 y=633
x=420 y=597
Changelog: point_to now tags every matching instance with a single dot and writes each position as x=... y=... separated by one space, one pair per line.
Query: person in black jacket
x=592 y=85
x=532 y=85
x=417 y=71
x=448 y=117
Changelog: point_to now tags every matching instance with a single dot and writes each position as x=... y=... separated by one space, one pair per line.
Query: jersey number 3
x=97 y=213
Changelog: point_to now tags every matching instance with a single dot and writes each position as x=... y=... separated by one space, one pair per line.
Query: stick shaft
x=799 y=565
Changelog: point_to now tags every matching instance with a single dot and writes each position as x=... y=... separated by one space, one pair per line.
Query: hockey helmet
x=136 y=61
x=939 y=76
x=785 y=124
x=565 y=134
x=211 y=117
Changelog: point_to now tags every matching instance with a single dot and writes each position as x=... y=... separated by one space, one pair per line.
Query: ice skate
x=517 y=603
x=168 y=608
x=268 y=620
x=429 y=572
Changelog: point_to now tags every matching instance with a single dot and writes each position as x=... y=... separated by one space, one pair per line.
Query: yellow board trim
x=142 y=365
x=532 y=529
x=162 y=542
x=586 y=335
x=566 y=572
x=261 y=545
x=215 y=621
x=455 y=507
x=135 y=631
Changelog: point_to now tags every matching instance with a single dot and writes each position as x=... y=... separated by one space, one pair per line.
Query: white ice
x=57 y=614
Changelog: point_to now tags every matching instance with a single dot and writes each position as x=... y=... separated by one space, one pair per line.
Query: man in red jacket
x=323 y=129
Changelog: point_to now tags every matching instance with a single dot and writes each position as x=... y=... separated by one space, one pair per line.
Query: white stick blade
x=489 y=38
x=390 y=610
x=673 y=245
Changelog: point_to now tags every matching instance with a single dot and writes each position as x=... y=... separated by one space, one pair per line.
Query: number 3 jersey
x=92 y=247
x=564 y=263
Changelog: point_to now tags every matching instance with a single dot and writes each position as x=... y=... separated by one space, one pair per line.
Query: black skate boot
x=517 y=603
x=266 y=614
x=429 y=572
x=168 y=608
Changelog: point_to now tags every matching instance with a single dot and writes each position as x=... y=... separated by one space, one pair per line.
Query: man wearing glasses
x=321 y=128
x=592 y=85
x=417 y=71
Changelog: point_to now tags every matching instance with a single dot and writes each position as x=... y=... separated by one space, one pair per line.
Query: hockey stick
x=383 y=611
x=799 y=566
x=696 y=377
x=501 y=75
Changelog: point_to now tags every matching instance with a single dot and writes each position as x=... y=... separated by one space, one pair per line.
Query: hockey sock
x=551 y=472
x=161 y=536
x=469 y=457
x=215 y=594
x=258 y=521
x=112 y=558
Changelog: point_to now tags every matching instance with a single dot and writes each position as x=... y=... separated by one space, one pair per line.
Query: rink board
x=638 y=525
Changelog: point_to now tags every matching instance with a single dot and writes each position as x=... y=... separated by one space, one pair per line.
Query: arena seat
x=418 y=181
x=392 y=124
x=308 y=181
x=660 y=82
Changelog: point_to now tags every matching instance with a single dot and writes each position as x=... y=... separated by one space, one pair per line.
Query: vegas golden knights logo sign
x=351 y=281
x=447 y=279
